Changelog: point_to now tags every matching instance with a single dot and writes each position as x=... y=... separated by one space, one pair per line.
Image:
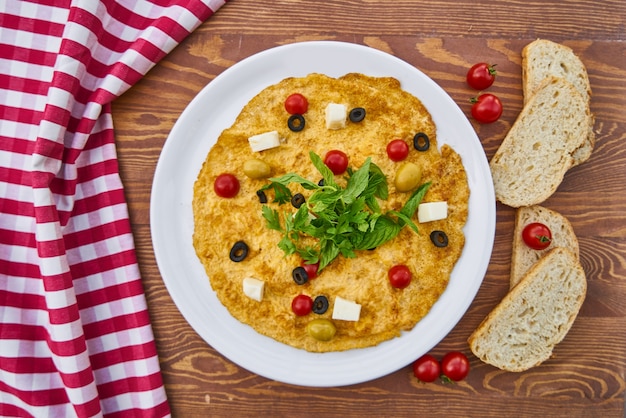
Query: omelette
x=256 y=266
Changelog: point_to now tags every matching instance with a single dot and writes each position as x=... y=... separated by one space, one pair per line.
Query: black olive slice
x=421 y=142
x=297 y=200
x=320 y=305
x=239 y=251
x=262 y=196
x=321 y=183
x=439 y=238
x=296 y=122
x=357 y=114
x=300 y=276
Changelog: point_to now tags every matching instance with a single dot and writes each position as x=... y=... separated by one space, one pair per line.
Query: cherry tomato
x=481 y=76
x=337 y=161
x=397 y=150
x=537 y=236
x=455 y=366
x=301 y=305
x=296 y=104
x=426 y=368
x=311 y=269
x=399 y=276
x=226 y=185
x=486 y=108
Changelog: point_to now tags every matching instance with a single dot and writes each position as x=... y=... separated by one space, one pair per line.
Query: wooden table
x=586 y=377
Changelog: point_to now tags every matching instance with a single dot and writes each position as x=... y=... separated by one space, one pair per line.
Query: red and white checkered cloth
x=75 y=335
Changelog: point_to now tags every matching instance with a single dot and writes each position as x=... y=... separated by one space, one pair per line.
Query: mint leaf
x=376 y=188
x=289 y=178
x=328 y=252
x=320 y=201
x=327 y=174
x=357 y=183
x=377 y=183
x=384 y=230
x=404 y=220
x=414 y=201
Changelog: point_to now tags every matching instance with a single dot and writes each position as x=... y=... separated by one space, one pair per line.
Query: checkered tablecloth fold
x=75 y=334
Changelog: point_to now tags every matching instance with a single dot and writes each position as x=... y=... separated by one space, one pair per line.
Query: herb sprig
x=342 y=220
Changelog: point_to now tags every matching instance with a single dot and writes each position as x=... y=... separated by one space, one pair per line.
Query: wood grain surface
x=586 y=377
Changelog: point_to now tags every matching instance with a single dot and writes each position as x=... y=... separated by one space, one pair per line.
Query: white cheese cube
x=346 y=310
x=264 y=141
x=253 y=288
x=432 y=211
x=336 y=116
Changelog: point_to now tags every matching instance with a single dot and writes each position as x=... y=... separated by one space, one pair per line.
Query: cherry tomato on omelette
x=455 y=366
x=296 y=104
x=399 y=276
x=537 y=236
x=337 y=161
x=481 y=76
x=226 y=185
x=486 y=108
x=311 y=269
x=426 y=368
x=301 y=305
x=397 y=150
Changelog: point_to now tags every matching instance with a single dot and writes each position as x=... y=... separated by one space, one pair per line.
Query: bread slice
x=523 y=329
x=532 y=159
x=524 y=257
x=542 y=59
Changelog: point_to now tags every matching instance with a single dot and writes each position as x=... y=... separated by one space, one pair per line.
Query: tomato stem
x=446 y=380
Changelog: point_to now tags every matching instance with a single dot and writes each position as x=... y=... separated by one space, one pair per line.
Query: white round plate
x=214 y=109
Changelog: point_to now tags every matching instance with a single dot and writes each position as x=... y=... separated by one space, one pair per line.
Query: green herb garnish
x=342 y=220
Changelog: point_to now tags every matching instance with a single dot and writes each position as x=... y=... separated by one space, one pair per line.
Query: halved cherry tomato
x=311 y=269
x=337 y=161
x=226 y=185
x=296 y=104
x=399 y=276
x=481 y=76
x=537 y=236
x=455 y=366
x=397 y=150
x=426 y=368
x=301 y=305
x=486 y=108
